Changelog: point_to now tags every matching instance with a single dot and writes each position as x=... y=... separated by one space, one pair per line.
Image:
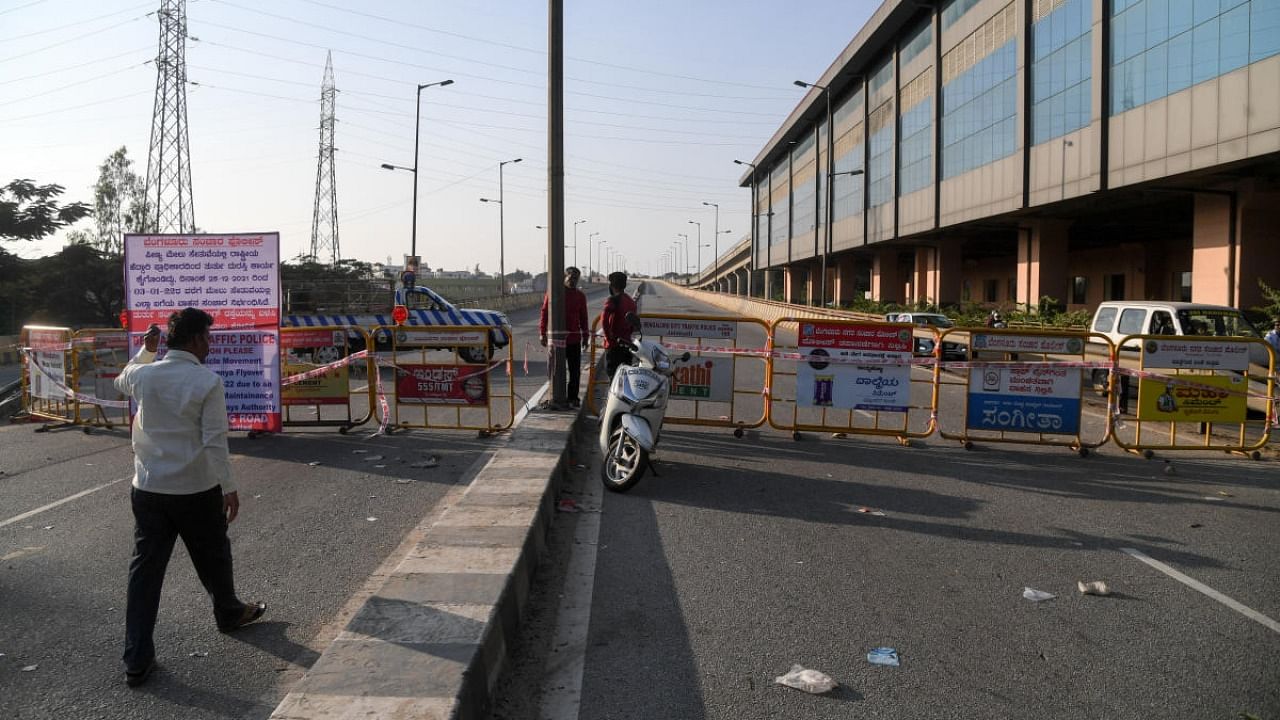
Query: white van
x=1117 y=319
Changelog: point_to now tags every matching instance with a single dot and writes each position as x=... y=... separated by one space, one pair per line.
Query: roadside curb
x=433 y=640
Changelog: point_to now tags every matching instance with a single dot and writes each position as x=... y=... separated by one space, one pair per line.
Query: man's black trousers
x=571 y=356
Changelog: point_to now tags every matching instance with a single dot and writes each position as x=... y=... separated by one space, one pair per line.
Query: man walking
x=181 y=485
x=576 y=335
x=613 y=321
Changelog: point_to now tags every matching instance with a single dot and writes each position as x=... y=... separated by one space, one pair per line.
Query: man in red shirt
x=617 y=328
x=576 y=334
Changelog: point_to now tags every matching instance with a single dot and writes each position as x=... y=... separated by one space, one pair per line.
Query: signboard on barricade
x=1028 y=387
x=100 y=355
x=234 y=278
x=49 y=348
x=318 y=388
x=299 y=347
x=850 y=377
x=439 y=380
x=722 y=383
x=1196 y=393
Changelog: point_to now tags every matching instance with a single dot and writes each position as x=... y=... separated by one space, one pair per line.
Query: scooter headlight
x=661 y=362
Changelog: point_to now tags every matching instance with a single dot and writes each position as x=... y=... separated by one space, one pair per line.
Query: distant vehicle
x=425 y=307
x=1116 y=319
x=951 y=350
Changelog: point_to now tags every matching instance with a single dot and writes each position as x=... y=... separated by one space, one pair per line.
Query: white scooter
x=633 y=414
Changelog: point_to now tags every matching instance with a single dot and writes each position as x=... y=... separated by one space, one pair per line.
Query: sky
x=660 y=98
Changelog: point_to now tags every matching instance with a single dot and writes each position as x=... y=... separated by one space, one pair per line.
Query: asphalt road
x=687 y=596
x=309 y=542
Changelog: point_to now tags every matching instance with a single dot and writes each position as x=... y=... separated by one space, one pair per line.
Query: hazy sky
x=660 y=97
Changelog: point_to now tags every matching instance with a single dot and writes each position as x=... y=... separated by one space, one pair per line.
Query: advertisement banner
x=1058 y=344
x=831 y=378
x=441 y=385
x=327 y=389
x=668 y=327
x=1024 y=399
x=49 y=352
x=1221 y=399
x=704 y=379
x=234 y=278
x=1195 y=354
x=437 y=338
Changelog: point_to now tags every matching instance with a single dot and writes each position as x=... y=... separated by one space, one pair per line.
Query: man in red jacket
x=613 y=321
x=576 y=334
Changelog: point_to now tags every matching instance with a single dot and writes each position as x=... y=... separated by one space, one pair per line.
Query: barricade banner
x=100 y=354
x=1197 y=393
x=325 y=383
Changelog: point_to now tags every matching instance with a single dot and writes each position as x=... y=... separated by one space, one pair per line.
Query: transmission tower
x=169 y=207
x=324 y=220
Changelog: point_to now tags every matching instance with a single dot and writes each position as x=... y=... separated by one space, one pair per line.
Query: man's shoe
x=251 y=612
x=134 y=679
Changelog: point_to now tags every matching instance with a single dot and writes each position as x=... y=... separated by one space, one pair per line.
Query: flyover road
x=323 y=518
x=687 y=596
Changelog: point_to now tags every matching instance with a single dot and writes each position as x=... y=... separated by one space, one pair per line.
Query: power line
x=77 y=66
x=75 y=107
x=51 y=91
x=27 y=55
x=73 y=24
x=20 y=7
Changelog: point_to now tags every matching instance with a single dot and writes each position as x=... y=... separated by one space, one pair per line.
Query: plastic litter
x=48 y=527
x=379 y=466
x=1093 y=587
x=199 y=653
x=30 y=668
x=430 y=462
x=373 y=458
x=314 y=463
x=869 y=511
x=1224 y=493
x=359 y=452
x=372 y=519
x=839 y=435
x=810 y=681
x=1037 y=595
x=886 y=656
x=404 y=481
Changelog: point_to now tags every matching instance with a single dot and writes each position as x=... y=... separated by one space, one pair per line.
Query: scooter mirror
x=685 y=357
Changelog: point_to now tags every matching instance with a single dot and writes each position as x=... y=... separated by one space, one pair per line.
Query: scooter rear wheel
x=624 y=464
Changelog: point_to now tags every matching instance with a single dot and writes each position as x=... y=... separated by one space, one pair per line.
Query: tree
x=119 y=204
x=518 y=276
x=30 y=212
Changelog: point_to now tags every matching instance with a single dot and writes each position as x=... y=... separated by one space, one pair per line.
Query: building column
x=938 y=274
x=886 y=277
x=1259 y=220
x=844 y=290
x=1042 y=263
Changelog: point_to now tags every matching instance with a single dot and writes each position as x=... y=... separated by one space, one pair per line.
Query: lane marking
x=533 y=402
x=562 y=700
x=1201 y=587
x=56 y=503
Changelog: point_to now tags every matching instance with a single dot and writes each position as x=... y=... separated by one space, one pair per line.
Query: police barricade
x=852 y=377
x=327 y=383
x=444 y=377
x=99 y=354
x=48 y=372
x=1025 y=387
x=723 y=383
x=1190 y=386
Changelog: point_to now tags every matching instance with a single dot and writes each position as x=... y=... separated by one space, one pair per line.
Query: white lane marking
x=563 y=698
x=1201 y=587
x=56 y=503
x=533 y=402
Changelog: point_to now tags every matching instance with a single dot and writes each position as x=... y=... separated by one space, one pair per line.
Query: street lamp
x=599 y=248
x=590 y=255
x=716 y=260
x=831 y=131
x=755 y=220
x=502 y=246
x=684 y=270
x=576 y=223
x=698 y=267
x=417 y=123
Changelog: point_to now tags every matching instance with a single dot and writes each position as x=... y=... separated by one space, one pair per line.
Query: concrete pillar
x=886 y=277
x=1259 y=238
x=938 y=273
x=1211 y=245
x=1042 y=263
x=845 y=287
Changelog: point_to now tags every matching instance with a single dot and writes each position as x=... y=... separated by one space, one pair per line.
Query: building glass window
x=1079 y=290
x=980 y=96
x=779 y=223
x=918 y=42
x=880 y=169
x=804 y=188
x=849 y=156
x=1182 y=286
x=1060 y=68
x=1160 y=47
x=915 y=161
x=953 y=11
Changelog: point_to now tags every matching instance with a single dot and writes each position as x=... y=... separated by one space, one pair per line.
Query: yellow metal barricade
x=446 y=377
x=723 y=383
x=853 y=377
x=1189 y=386
x=1025 y=387
x=328 y=388
x=48 y=372
x=99 y=354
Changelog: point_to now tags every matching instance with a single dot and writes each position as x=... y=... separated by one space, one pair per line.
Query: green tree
x=30 y=212
x=119 y=205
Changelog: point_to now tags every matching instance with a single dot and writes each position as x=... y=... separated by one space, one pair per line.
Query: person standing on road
x=613 y=321
x=576 y=335
x=181 y=485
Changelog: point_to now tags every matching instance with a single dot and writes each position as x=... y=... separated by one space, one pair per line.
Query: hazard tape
x=68 y=392
x=320 y=370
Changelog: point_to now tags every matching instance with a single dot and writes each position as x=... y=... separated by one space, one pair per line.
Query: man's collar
x=183 y=355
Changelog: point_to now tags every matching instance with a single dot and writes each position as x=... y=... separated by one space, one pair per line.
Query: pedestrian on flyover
x=182 y=483
x=576 y=335
x=613 y=321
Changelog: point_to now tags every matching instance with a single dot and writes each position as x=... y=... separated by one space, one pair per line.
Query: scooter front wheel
x=624 y=464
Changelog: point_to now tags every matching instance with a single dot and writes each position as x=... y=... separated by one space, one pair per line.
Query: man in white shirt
x=182 y=483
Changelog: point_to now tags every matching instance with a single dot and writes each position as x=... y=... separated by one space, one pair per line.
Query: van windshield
x=1215 y=323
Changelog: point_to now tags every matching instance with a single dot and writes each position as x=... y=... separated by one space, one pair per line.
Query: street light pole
x=831 y=165
x=590 y=255
x=502 y=245
x=698 y=267
x=576 y=223
x=417 y=125
x=684 y=269
x=755 y=221
x=716 y=260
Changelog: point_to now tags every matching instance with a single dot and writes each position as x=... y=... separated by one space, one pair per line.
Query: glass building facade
x=880 y=139
x=1062 y=51
x=980 y=96
x=849 y=156
x=780 y=222
x=1159 y=47
x=804 y=188
x=916 y=149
